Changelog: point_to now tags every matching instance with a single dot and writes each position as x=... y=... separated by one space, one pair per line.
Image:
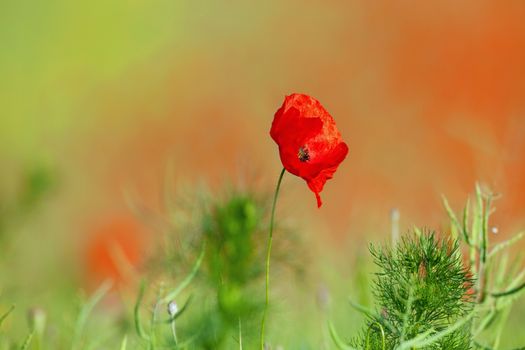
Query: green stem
x=509 y=292
x=268 y=252
x=174 y=332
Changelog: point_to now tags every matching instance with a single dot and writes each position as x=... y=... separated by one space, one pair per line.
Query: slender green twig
x=424 y=339
x=86 y=310
x=339 y=343
x=124 y=343
x=466 y=214
x=138 y=322
x=383 y=341
x=268 y=252
x=408 y=311
x=240 y=334
x=174 y=332
x=505 y=244
x=456 y=226
x=486 y=321
x=508 y=292
x=4 y=316
x=154 y=318
x=27 y=341
x=372 y=314
x=499 y=328
x=173 y=295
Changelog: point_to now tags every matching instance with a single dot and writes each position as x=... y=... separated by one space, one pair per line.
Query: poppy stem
x=268 y=252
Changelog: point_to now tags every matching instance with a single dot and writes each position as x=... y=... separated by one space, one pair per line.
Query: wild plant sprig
x=497 y=286
x=421 y=290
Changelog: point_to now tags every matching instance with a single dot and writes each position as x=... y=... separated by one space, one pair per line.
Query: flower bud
x=37 y=320
x=172 y=308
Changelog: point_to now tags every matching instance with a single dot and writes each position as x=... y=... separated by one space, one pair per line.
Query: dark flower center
x=303 y=154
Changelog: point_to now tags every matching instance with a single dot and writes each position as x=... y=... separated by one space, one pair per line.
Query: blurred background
x=98 y=99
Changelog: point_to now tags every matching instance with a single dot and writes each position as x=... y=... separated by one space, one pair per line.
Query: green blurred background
x=98 y=97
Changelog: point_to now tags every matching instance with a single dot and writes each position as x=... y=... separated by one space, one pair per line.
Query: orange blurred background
x=429 y=96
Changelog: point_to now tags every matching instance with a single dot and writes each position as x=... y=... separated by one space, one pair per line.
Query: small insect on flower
x=310 y=144
x=303 y=154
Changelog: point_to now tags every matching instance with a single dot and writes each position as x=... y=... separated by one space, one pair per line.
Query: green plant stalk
x=154 y=316
x=425 y=339
x=408 y=310
x=466 y=220
x=268 y=252
x=482 y=278
x=240 y=334
x=382 y=335
x=4 y=316
x=174 y=332
x=499 y=329
x=186 y=282
x=509 y=292
x=86 y=310
x=505 y=244
x=27 y=341
x=124 y=343
x=371 y=313
x=138 y=323
x=339 y=343
x=476 y=239
x=495 y=293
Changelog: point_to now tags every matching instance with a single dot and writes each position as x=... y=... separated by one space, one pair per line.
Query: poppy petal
x=310 y=146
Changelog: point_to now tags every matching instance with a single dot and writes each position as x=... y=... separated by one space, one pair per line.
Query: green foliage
x=232 y=229
x=227 y=293
x=421 y=288
x=431 y=292
x=229 y=286
x=498 y=284
x=162 y=301
x=427 y=299
x=232 y=256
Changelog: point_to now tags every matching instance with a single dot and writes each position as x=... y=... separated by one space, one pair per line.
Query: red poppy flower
x=114 y=247
x=309 y=143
